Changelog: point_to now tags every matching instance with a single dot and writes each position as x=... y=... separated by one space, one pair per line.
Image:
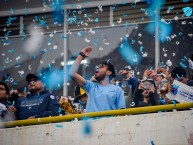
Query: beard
x=100 y=78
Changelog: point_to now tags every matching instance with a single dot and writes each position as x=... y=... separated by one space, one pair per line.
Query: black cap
x=6 y=87
x=110 y=67
x=31 y=77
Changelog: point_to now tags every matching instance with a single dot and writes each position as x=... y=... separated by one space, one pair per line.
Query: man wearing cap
x=102 y=95
x=38 y=103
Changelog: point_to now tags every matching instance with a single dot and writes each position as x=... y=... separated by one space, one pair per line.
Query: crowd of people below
x=106 y=90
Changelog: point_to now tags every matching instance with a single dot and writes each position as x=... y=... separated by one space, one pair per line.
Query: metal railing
x=140 y=110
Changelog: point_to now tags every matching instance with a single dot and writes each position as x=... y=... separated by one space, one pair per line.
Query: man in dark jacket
x=39 y=103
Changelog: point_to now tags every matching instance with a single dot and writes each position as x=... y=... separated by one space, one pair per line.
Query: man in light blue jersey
x=102 y=95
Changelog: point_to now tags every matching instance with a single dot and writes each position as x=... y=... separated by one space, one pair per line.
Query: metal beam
x=83 y=5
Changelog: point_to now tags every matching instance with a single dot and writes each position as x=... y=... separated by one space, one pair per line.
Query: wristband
x=82 y=54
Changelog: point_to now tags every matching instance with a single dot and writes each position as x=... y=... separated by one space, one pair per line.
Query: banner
x=184 y=93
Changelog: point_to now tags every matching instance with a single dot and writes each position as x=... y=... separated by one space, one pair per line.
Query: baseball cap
x=31 y=77
x=110 y=67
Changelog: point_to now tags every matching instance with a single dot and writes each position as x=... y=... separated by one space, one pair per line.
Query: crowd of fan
x=104 y=91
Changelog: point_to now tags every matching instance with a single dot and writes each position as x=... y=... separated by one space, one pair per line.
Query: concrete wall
x=166 y=128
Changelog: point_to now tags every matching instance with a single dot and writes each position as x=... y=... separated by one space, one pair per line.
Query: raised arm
x=74 y=69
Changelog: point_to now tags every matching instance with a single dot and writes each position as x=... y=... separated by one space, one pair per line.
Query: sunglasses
x=33 y=81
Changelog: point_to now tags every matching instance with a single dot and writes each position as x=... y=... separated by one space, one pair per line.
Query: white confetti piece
x=145 y=54
x=183 y=22
x=173 y=54
x=165 y=50
x=119 y=21
x=139 y=34
x=105 y=42
x=100 y=48
x=87 y=40
x=165 y=54
x=55 y=47
x=52 y=97
x=51 y=35
x=164 y=21
x=140 y=42
x=169 y=63
x=21 y=72
x=176 y=18
x=29 y=67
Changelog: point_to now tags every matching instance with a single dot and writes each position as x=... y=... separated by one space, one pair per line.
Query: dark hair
x=191 y=57
x=110 y=68
x=178 y=72
x=6 y=87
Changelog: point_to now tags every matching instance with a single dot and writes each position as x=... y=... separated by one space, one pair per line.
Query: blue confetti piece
x=126 y=24
x=162 y=100
x=33 y=57
x=15 y=83
x=175 y=89
x=152 y=142
x=63 y=37
x=17 y=66
x=174 y=103
x=25 y=89
x=59 y=110
x=187 y=11
x=185 y=1
x=141 y=49
x=183 y=65
x=125 y=15
x=3 y=68
x=132 y=41
x=25 y=11
x=11 y=51
x=12 y=10
x=72 y=5
x=87 y=130
x=96 y=20
x=59 y=125
x=180 y=34
x=185 y=57
x=123 y=3
x=42 y=23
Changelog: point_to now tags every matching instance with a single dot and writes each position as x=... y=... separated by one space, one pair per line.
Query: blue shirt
x=101 y=98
